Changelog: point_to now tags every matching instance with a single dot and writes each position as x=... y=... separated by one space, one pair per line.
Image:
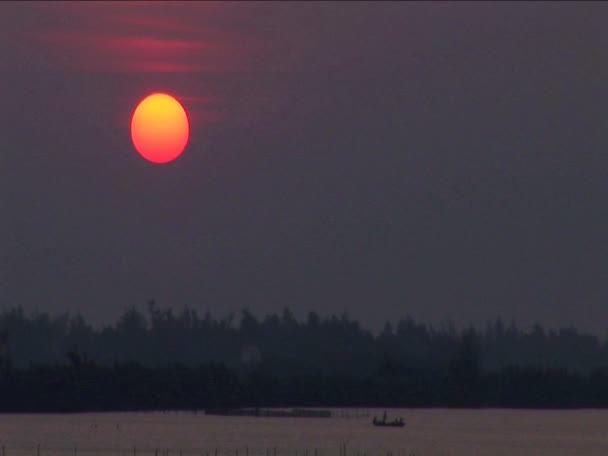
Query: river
x=428 y=432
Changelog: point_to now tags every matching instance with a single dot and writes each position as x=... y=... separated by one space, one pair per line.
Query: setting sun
x=160 y=128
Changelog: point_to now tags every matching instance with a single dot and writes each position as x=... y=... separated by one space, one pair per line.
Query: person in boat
x=396 y=422
x=383 y=421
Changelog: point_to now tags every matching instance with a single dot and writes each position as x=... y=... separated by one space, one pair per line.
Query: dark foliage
x=166 y=361
x=130 y=386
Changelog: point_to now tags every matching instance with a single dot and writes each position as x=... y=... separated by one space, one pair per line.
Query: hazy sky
x=443 y=160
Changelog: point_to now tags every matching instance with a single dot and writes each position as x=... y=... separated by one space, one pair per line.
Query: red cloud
x=145 y=38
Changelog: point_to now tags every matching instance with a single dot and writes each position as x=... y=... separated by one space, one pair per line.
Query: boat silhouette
x=398 y=422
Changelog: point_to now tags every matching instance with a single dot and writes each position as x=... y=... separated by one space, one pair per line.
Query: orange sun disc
x=160 y=128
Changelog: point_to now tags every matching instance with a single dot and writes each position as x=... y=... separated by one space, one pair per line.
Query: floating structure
x=274 y=413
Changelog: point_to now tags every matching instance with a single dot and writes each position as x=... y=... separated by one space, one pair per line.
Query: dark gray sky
x=443 y=160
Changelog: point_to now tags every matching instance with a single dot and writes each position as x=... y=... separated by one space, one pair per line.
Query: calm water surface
x=427 y=433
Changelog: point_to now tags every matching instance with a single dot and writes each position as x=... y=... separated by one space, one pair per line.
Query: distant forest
x=161 y=359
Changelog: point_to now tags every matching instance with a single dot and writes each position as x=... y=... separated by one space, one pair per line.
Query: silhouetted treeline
x=333 y=344
x=161 y=360
x=84 y=386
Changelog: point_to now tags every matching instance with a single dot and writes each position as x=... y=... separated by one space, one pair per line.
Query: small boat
x=395 y=423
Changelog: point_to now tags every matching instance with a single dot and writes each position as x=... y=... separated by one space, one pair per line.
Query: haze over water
x=428 y=432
